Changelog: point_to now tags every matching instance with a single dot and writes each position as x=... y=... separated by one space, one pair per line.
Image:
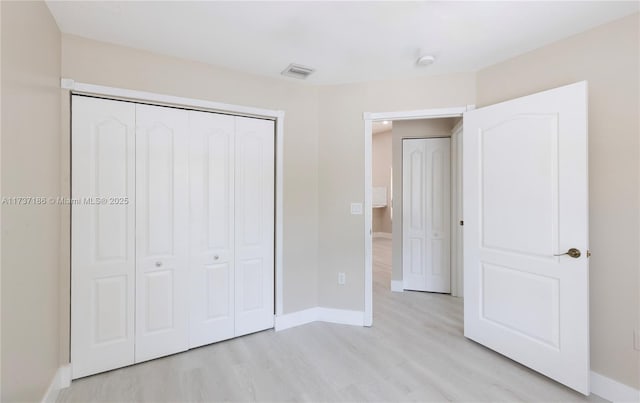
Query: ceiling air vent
x=297 y=71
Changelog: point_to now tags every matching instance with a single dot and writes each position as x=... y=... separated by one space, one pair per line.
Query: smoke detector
x=425 y=60
x=297 y=71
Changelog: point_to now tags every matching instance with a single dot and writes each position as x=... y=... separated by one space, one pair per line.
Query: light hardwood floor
x=415 y=351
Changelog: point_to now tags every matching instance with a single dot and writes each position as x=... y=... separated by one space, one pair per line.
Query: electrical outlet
x=636 y=339
x=342 y=278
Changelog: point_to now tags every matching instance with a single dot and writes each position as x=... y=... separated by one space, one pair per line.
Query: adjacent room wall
x=89 y=61
x=409 y=129
x=608 y=57
x=30 y=167
x=381 y=177
x=341 y=169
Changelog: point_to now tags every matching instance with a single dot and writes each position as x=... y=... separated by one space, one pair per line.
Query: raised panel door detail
x=250 y=188
x=252 y=283
x=507 y=292
x=212 y=261
x=159 y=183
x=111 y=147
x=159 y=289
x=102 y=235
x=162 y=214
x=416 y=191
x=520 y=204
x=217 y=289
x=110 y=309
x=254 y=215
x=426 y=215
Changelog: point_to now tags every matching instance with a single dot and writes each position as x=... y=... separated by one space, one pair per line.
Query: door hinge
x=461 y=223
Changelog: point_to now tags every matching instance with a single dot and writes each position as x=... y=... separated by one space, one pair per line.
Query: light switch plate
x=356 y=208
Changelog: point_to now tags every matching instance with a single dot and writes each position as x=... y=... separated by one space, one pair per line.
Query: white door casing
x=526 y=200
x=211 y=261
x=162 y=212
x=426 y=214
x=103 y=235
x=254 y=225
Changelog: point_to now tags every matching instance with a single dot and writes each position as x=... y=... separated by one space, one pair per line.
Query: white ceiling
x=344 y=41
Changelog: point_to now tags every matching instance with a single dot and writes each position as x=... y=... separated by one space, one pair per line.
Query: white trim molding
x=163 y=99
x=289 y=320
x=397 y=286
x=200 y=104
x=319 y=314
x=385 y=235
x=612 y=390
x=61 y=379
x=369 y=118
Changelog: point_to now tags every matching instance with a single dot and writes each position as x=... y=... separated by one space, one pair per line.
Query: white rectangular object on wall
x=426 y=222
x=162 y=221
x=102 y=235
x=254 y=225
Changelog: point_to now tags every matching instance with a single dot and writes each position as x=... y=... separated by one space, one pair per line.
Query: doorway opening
x=384 y=214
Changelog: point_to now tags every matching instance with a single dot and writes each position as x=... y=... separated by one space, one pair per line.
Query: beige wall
x=95 y=62
x=30 y=167
x=341 y=169
x=409 y=129
x=381 y=177
x=608 y=57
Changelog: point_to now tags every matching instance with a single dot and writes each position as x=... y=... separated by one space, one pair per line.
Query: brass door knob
x=573 y=252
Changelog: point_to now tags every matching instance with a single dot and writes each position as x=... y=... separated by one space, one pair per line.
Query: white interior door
x=525 y=203
x=162 y=213
x=254 y=229
x=212 y=227
x=103 y=249
x=426 y=195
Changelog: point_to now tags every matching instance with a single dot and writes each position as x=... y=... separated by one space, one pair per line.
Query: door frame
x=369 y=118
x=217 y=107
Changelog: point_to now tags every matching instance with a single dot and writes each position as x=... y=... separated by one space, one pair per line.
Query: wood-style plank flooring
x=415 y=351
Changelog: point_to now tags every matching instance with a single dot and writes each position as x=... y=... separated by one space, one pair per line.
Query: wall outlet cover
x=356 y=208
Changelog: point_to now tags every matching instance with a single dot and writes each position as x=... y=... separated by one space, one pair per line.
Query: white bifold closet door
x=189 y=260
x=426 y=215
x=102 y=235
x=212 y=227
x=254 y=227
x=162 y=231
x=232 y=226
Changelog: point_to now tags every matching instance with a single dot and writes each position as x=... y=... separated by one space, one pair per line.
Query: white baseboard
x=319 y=314
x=342 y=316
x=386 y=235
x=397 y=286
x=296 y=319
x=61 y=379
x=612 y=390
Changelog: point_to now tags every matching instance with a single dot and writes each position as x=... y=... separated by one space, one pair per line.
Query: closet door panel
x=102 y=235
x=162 y=288
x=254 y=238
x=211 y=258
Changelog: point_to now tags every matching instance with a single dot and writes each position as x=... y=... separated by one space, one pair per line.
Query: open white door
x=525 y=205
